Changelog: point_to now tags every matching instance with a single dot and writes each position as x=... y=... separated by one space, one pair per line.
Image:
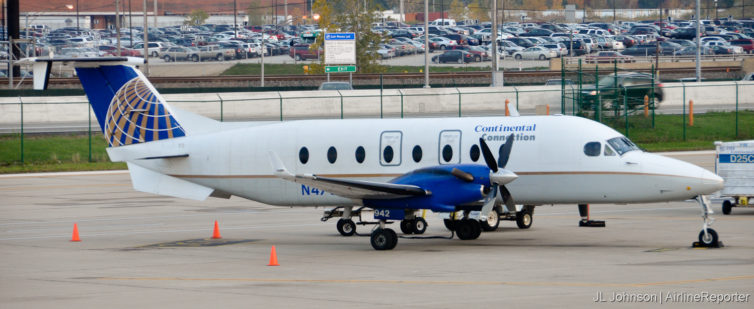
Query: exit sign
x=340 y=69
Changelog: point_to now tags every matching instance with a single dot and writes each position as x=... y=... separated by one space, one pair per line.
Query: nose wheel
x=707 y=237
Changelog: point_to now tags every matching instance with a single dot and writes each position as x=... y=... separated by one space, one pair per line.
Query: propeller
x=499 y=175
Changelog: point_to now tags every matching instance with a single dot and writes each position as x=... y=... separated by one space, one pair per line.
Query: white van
x=443 y=22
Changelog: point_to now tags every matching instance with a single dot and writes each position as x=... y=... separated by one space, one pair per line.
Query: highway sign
x=340 y=48
x=340 y=69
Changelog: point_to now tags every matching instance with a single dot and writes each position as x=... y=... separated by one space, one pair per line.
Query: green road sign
x=340 y=69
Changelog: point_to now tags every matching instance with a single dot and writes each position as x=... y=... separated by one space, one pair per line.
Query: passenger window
x=303 y=155
x=474 y=153
x=447 y=153
x=417 y=153
x=332 y=155
x=592 y=149
x=609 y=151
x=360 y=154
x=387 y=154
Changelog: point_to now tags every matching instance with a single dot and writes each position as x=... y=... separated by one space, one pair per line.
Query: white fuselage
x=548 y=155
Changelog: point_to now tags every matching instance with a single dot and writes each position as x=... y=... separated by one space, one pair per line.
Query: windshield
x=622 y=145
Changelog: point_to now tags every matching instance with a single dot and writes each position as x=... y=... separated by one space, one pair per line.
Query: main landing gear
x=416 y=225
x=383 y=238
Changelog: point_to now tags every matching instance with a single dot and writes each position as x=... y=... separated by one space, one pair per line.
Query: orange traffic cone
x=75 y=236
x=216 y=233
x=273 y=258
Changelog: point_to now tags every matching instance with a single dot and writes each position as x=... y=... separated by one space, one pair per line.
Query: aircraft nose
x=710 y=182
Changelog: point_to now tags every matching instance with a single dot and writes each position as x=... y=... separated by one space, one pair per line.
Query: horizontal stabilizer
x=149 y=181
x=164 y=149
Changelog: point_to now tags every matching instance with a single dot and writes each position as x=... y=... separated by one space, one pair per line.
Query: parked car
x=177 y=53
x=335 y=86
x=535 y=52
x=302 y=52
x=154 y=48
x=609 y=57
x=746 y=44
x=480 y=54
x=457 y=56
x=628 y=86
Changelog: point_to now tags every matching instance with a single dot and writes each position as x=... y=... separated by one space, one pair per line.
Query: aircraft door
x=449 y=151
x=390 y=148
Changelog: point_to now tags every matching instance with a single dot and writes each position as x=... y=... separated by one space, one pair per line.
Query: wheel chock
x=697 y=244
x=591 y=223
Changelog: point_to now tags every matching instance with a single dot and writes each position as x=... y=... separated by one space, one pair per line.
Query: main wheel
x=708 y=239
x=383 y=239
x=524 y=219
x=492 y=221
x=346 y=227
x=407 y=227
x=727 y=207
x=468 y=229
x=419 y=225
x=450 y=224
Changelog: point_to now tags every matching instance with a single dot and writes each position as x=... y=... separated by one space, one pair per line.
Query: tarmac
x=142 y=250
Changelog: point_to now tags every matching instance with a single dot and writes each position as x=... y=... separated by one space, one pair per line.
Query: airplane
x=395 y=167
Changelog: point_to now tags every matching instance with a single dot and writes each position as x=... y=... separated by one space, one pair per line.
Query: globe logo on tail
x=137 y=115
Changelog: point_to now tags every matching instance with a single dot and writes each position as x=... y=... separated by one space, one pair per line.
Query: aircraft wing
x=358 y=189
x=355 y=189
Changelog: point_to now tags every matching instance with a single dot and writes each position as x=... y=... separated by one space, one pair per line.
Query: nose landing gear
x=707 y=237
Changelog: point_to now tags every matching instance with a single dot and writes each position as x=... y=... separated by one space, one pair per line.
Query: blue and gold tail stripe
x=136 y=115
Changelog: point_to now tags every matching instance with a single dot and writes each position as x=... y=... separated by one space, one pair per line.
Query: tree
x=478 y=12
x=196 y=17
x=349 y=16
x=256 y=13
x=457 y=10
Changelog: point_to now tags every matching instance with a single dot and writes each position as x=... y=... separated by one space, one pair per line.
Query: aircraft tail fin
x=128 y=108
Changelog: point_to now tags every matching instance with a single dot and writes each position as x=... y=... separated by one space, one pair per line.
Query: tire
x=219 y=57
x=710 y=240
x=450 y=224
x=346 y=227
x=298 y=57
x=524 y=219
x=492 y=222
x=464 y=230
x=383 y=239
x=518 y=57
x=155 y=54
x=542 y=57
x=166 y=58
x=442 y=47
x=727 y=207
x=478 y=59
x=195 y=58
x=419 y=226
x=460 y=60
x=407 y=227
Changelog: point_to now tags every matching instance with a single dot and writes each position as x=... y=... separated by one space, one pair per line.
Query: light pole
x=715 y=9
x=77 y=16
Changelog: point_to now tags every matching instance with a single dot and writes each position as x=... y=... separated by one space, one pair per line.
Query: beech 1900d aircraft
x=393 y=166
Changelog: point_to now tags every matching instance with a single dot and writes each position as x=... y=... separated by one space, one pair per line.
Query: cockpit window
x=622 y=145
x=609 y=151
x=592 y=149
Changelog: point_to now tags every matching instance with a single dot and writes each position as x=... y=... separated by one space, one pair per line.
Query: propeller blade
x=505 y=152
x=507 y=198
x=488 y=157
x=462 y=175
